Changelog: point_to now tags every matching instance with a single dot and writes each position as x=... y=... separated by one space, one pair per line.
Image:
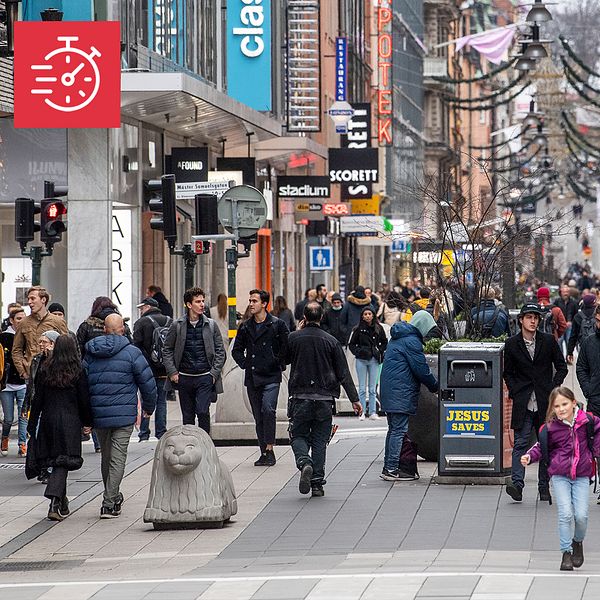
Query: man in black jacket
x=533 y=366
x=569 y=308
x=259 y=348
x=333 y=321
x=588 y=367
x=165 y=306
x=318 y=367
x=583 y=325
x=143 y=337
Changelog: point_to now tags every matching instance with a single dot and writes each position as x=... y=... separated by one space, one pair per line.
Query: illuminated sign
x=249 y=52
x=353 y=165
x=341 y=46
x=303 y=186
x=337 y=209
x=311 y=211
x=359 y=136
x=467 y=420
x=384 y=70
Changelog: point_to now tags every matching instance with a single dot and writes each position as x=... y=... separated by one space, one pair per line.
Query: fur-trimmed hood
x=358 y=301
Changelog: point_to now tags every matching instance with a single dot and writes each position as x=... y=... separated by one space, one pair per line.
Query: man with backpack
x=588 y=366
x=149 y=334
x=552 y=319
x=489 y=319
x=584 y=325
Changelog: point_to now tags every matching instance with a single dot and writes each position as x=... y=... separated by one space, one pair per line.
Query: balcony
x=435 y=67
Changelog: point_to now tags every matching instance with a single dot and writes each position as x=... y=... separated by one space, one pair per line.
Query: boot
x=577 y=554
x=567 y=562
x=262 y=460
x=54 y=513
x=4 y=446
x=270 y=459
x=545 y=495
x=64 y=507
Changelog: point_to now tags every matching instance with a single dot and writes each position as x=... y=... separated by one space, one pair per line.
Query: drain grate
x=12 y=466
x=39 y=565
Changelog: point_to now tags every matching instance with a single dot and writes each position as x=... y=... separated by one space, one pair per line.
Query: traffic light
x=52 y=211
x=25 y=227
x=207 y=219
x=165 y=204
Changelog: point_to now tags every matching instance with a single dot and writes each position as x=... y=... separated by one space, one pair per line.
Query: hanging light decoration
x=538 y=13
x=540 y=139
x=524 y=63
x=532 y=119
x=535 y=47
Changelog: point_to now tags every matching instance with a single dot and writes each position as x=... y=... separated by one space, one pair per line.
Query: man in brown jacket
x=25 y=345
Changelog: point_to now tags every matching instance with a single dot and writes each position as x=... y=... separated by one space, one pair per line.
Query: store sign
x=361 y=226
x=189 y=164
x=167 y=26
x=359 y=136
x=122 y=268
x=366 y=207
x=298 y=186
x=249 y=52
x=383 y=13
x=341 y=47
x=337 y=209
x=246 y=165
x=353 y=165
x=70 y=76
x=310 y=211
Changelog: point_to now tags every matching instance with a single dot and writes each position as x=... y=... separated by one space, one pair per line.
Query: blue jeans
x=8 y=399
x=522 y=437
x=572 y=498
x=565 y=338
x=160 y=415
x=370 y=369
x=397 y=428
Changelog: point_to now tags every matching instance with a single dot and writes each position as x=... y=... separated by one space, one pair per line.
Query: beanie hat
x=359 y=292
x=543 y=292
x=370 y=308
x=51 y=335
x=423 y=321
x=589 y=300
x=335 y=297
x=56 y=307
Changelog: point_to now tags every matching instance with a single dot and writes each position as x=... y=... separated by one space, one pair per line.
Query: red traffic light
x=56 y=210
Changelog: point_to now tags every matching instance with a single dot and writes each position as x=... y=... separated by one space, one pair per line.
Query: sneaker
x=305 y=476
x=577 y=555
x=598 y=501
x=108 y=513
x=270 y=459
x=54 y=512
x=97 y=450
x=545 y=495
x=317 y=491
x=119 y=504
x=396 y=475
x=567 y=562
x=23 y=450
x=43 y=477
x=362 y=417
x=262 y=461
x=374 y=417
x=514 y=491
x=144 y=438
x=4 y=446
x=64 y=507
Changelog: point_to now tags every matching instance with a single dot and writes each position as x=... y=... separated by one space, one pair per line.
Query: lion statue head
x=189 y=485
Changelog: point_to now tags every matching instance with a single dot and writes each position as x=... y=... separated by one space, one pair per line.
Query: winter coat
x=318 y=364
x=93 y=327
x=10 y=375
x=287 y=317
x=143 y=336
x=523 y=375
x=34 y=370
x=569 y=453
x=404 y=370
x=585 y=312
x=60 y=413
x=559 y=323
x=353 y=311
x=116 y=369
x=488 y=316
x=588 y=371
x=299 y=309
x=568 y=308
x=25 y=345
x=334 y=324
x=388 y=314
x=164 y=305
x=261 y=352
x=213 y=346
x=368 y=341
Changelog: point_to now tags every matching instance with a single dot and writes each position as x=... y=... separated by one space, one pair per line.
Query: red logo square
x=67 y=74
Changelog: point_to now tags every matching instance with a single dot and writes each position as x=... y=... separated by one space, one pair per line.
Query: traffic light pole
x=189 y=263
x=36 y=254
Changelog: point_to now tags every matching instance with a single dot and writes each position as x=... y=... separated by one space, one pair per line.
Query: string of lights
x=478 y=78
x=500 y=144
x=511 y=85
x=457 y=103
x=575 y=58
x=574 y=132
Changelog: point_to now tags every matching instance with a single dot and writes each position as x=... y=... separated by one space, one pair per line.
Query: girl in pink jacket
x=571 y=463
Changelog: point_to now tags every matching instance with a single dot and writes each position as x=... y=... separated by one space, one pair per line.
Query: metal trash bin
x=513 y=320
x=472 y=413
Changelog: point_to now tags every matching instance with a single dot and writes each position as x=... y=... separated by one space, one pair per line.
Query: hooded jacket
x=116 y=369
x=404 y=370
x=368 y=341
x=568 y=450
x=334 y=323
x=353 y=309
x=586 y=312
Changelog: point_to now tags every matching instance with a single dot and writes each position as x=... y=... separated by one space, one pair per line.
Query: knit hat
x=359 y=292
x=423 y=321
x=56 y=307
x=51 y=335
x=335 y=297
x=589 y=300
x=369 y=308
x=543 y=292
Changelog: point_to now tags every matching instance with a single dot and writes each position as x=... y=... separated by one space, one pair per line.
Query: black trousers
x=195 y=396
x=263 y=400
x=57 y=483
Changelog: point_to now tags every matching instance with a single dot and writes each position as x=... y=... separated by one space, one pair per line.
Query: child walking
x=571 y=464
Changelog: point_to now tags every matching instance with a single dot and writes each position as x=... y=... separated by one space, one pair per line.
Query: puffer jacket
x=404 y=370
x=352 y=311
x=568 y=450
x=116 y=369
x=368 y=341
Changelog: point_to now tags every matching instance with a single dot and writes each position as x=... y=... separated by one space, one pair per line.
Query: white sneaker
x=362 y=417
x=374 y=417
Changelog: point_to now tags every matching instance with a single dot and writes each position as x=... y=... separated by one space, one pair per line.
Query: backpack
x=543 y=440
x=546 y=321
x=159 y=335
x=588 y=327
x=486 y=329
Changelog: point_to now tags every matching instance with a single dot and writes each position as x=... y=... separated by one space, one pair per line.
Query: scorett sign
x=353 y=165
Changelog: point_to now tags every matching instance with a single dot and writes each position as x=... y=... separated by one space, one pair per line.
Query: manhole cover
x=40 y=565
x=12 y=466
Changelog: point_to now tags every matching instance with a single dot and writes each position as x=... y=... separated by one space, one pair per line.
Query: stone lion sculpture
x=190 y=486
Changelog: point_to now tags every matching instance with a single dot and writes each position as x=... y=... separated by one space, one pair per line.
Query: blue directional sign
x=321 y=258
x=400 y=246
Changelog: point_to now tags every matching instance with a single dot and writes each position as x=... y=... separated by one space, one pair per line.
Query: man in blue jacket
x=404 y=370
x=116 y=369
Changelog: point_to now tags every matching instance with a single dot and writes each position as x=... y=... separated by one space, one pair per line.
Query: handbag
x=408 y=456
x=31 y=468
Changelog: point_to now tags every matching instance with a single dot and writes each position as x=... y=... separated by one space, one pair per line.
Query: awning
x=187 y=106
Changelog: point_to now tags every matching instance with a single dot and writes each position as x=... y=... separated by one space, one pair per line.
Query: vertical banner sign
x=359 y=136
x=384 y=71
x=341 y=52
x=167 y=29
x=249 y=52
x=122 y=270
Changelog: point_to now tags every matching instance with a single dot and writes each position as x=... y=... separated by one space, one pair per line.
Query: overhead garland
x=519 y=166
x=575 y=133
x=500 y=144
x=574 y=154
x=574 y=83
x=511 y=85
x=483 y=77
x=576 y=59
x=455 y=101
x=578 y=190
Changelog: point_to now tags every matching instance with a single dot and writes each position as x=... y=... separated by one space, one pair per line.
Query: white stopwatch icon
x=70 y=76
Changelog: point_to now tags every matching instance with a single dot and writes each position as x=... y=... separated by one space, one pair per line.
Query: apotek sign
x=350 y=165
x=67 y=74
x=383 y=19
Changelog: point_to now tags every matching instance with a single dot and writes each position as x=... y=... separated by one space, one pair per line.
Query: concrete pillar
x=89 y=259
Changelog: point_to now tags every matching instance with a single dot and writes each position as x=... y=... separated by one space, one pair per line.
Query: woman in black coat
x=368 y=343
x=61 y=407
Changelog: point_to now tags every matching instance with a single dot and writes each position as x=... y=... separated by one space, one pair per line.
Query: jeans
x=565 y=338
x=370 y=369
x=572 y=499
x=57 y=483
x=8 y=399
x=114 y=443
x=522 y=437
x=160 y=416
x=310 y=430
x=397 y=428
x=195 y=396
x=263 y=400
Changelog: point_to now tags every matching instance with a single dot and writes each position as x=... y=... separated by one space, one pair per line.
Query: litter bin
x=473 y=420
